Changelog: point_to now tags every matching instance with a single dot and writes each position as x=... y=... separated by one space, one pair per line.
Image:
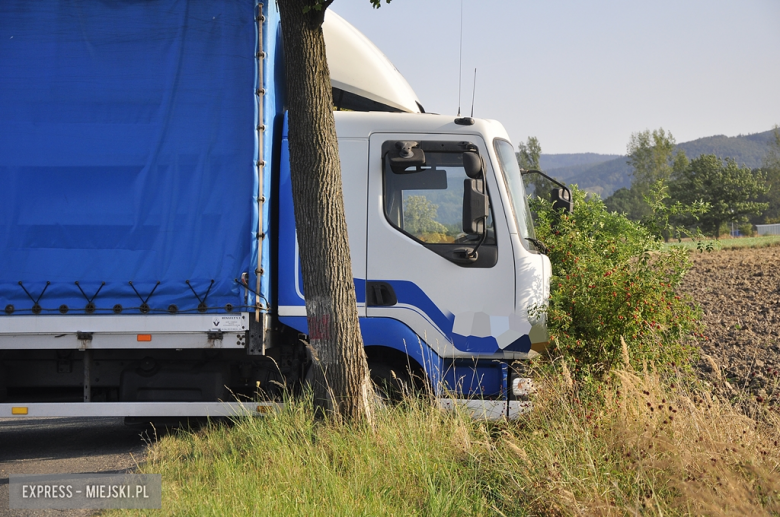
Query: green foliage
x=772 y=158
x=746 y=229
x=449 y=202
x=771 y=166
x=612 y=279
x=420 y=216
x=656 y=211
x=606 y=175
x=652 y=156
x=733 y=193
x=664 y=211
x=529 y=153
x=702 y=246
x=627 y=201
x=528 y=159
x=730 y=190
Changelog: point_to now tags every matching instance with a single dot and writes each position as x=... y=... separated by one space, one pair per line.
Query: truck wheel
x=391 y=385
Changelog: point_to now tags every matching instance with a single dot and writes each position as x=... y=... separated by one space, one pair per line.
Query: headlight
x=522 y=387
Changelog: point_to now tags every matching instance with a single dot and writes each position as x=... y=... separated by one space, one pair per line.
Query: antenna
x=473 y=92
x=460 y=56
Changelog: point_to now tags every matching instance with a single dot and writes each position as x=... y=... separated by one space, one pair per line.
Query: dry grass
x=636 y=444
x=643 y=445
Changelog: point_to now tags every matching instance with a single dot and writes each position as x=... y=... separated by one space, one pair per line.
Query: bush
x=746 y=229
x=612 y=278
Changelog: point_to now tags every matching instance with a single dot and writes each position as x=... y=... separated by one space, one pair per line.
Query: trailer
x=149 y=262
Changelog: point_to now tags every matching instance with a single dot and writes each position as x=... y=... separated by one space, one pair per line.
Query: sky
x=583 y=76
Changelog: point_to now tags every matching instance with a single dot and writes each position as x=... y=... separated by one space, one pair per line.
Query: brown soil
x=738 y=291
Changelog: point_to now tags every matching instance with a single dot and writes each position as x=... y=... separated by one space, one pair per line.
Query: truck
x=149 y=262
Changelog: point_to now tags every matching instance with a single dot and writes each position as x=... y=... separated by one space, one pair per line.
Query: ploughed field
x=738 y=291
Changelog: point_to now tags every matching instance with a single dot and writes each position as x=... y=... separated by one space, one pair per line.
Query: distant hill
x=567 y=166
x=605 y=173
x=563 y=163
x=598 y=173
x=747 y=150
x=604 y=178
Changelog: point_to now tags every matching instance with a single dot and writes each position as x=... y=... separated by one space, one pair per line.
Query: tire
x=391 y=385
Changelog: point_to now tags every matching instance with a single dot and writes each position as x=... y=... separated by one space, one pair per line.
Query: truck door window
x=426 y=202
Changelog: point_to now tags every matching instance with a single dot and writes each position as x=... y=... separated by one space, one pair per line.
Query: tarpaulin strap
x=245 y=285
x=90 y=308
x=36 y=307
x=202 y=305
x=144 y=305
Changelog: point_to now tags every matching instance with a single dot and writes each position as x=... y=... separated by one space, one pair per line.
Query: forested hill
x=747 y=150
x=605 y=173
x=567 y=165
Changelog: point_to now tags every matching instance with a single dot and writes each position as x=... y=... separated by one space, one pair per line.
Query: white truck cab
x=463 y=298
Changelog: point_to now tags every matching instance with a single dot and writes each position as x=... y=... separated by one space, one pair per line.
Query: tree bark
x=341 y=380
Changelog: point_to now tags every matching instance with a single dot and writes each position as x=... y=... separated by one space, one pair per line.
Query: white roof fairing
x=359 y=67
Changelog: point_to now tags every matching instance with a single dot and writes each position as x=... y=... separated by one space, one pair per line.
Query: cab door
x=448 y=277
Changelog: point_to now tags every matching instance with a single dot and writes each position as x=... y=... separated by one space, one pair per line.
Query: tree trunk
x=340 y=372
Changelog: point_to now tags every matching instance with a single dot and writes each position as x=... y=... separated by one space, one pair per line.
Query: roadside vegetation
x=643 y=443
x=621 y=424
x=612 y=280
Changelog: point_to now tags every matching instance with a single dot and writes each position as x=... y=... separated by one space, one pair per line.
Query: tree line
x=703 y=194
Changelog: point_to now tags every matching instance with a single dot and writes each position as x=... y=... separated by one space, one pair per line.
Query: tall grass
x=415 y=460
x=635 y=444
x=640 y=444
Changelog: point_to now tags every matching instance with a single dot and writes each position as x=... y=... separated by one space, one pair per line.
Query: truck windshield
x=514 y=184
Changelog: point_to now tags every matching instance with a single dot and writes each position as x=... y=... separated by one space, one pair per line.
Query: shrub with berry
x=612 y=278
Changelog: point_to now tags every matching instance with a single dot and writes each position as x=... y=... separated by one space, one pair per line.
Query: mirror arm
x=473 y=253
x=553 y=180
x=539 y=245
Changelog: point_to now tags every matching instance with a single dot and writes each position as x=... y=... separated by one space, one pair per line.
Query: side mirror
x=475 y=206
x=561 y=197
x=561 y=200
x=472 y=165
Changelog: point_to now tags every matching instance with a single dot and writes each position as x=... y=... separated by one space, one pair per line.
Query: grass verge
x=634 y=444
x=740 y=242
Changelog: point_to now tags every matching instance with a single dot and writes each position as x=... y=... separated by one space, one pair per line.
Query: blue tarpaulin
x=127 y=153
